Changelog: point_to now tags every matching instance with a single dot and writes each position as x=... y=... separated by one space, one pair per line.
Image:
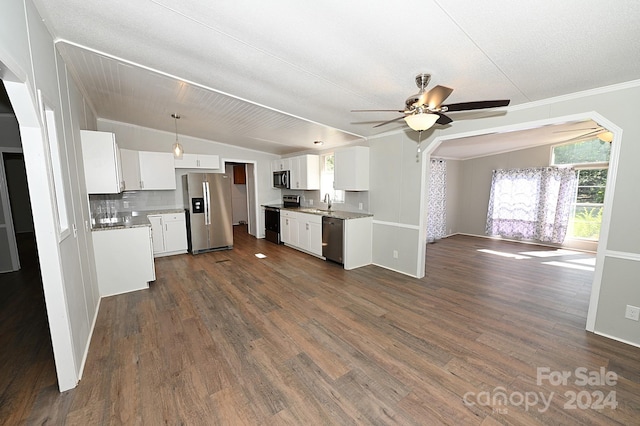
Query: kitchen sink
x=317 y=211
x=112 y=221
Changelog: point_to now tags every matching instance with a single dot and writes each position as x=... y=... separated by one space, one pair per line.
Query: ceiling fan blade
x=592 y=133
x=465 y=106
x=377 y=110
x=577 y=130
x=443 y=119
x=434 y=97
x=390 y=121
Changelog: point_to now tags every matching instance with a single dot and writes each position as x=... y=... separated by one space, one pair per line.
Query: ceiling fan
x=590 y=133
x=425 y=108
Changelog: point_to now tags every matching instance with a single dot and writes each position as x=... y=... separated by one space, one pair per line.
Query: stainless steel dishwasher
x=333 y=238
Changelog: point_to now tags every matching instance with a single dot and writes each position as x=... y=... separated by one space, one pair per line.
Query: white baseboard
x=395 y=270
x=608 y=336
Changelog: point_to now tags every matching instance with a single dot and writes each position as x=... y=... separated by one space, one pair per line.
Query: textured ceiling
x=275 y=76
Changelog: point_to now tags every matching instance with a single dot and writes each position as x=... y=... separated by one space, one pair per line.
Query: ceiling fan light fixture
x=177 y=149
x=421 y=121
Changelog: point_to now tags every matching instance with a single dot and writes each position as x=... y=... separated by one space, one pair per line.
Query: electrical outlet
x=359 y=206
x=632 y=313
x=395 y=254
x=310 y=201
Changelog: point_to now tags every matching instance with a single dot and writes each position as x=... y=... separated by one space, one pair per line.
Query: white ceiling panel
x=137 y=96
x=550 y=48
x=496 y=143
x=284 y=73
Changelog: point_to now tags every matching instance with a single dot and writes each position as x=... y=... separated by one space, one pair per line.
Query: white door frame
x=252 y=204
x=24 y=104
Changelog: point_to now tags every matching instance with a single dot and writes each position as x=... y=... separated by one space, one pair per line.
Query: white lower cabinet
x=310 y=233
x=289 y=233
x=358 y=242
x=124 y=259
x=302 y=231
x=169 y=232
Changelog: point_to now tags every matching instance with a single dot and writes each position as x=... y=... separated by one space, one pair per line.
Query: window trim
x=55 y=171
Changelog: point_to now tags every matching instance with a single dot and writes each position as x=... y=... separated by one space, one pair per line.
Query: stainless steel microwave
x=281 y=179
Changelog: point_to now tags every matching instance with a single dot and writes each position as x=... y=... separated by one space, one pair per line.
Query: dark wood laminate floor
x=228 y=338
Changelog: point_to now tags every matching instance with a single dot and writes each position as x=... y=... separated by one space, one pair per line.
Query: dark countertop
x=339 y=214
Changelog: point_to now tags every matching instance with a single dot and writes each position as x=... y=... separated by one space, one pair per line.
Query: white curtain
x=437 y=203
x=531 y=204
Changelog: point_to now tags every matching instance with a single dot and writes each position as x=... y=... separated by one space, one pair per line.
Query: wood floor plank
x=226 y=338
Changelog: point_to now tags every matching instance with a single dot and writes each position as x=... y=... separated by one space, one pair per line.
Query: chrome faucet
x=327 y=199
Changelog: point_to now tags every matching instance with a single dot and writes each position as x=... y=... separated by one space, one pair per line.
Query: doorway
x=243 y=194
x=24 y=326
x=616 y=140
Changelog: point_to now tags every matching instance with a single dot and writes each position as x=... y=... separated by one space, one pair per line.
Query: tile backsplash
x=111 y=205
x=352 y=200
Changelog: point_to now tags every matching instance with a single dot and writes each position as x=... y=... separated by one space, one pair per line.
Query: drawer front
x=172 y=217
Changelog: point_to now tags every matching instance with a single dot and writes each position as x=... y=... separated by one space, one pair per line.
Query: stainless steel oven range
x=272 y=217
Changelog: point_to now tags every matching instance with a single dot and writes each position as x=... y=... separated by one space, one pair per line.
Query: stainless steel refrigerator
x=208 y=201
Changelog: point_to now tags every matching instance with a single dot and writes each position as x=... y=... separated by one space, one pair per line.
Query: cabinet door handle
x=141 y=184
x=165 y=227
x=307 y=226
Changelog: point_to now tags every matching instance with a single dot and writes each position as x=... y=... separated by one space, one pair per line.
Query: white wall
x=27 y=55
x=475 y=184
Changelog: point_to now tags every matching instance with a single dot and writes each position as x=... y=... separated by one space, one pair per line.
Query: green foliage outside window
x=591 y=151
x=586 y=222
x=586 y=218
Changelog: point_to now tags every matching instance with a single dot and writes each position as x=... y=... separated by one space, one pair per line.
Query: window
x=54 y=164
x=531 y=204
x=583 y=152
x=326 y=179
x=590 y=158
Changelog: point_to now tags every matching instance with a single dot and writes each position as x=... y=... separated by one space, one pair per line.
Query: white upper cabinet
x=144 y=170
x=197 y=161
x=281 y=164
x=130 y=169
x=157 y=170
x=305 y=172
x=101 y=159
x=351 y=169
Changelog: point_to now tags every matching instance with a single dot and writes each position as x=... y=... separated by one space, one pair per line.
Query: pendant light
x=177 y=148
